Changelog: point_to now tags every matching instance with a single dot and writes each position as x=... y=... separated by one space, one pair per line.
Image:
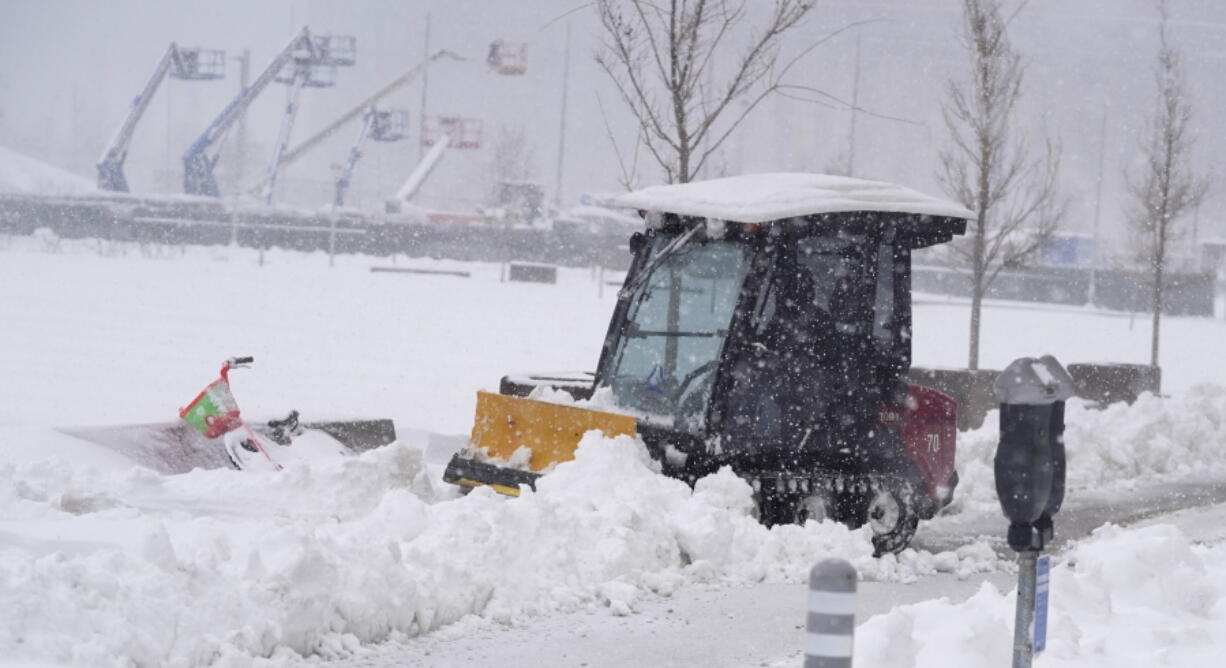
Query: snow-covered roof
x=760 y=198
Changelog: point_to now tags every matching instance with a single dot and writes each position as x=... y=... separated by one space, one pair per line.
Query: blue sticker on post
x=1042 y=589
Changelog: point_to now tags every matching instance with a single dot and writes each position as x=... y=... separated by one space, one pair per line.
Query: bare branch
x=1168 y=187
x=842 y=104
x=627 y=173
x=676 y=42
x=987 y=165
x=723 y=103
x=633 y=91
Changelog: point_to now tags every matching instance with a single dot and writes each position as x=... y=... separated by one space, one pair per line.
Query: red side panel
x=929 y=432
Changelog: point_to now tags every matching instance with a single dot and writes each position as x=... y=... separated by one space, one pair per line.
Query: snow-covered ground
x=105 y=333
x=102 y=563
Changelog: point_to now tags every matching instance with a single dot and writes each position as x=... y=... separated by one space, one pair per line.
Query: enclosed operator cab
x=765 y=324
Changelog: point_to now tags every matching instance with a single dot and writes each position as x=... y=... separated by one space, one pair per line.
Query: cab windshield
x=677 y=322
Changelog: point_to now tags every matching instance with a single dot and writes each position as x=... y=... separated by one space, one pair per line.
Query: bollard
x=831 y=621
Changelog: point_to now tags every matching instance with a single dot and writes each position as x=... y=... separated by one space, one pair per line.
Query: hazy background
x=70 y=68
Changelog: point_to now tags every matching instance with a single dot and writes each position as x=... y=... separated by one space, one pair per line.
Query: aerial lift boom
x=408 y=77
x=198 y=178
x=178 y=63
x=419 y=174
x=444 y=133
x=382 y=125
x=298 y=80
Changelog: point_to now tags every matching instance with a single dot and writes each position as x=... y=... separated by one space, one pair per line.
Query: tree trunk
x=979 y=268
x=683 y=160
x=1159 y=279
x=976 y=306
x=1163 y=221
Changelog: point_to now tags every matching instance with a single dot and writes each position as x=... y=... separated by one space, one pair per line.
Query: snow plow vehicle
x=765 y=325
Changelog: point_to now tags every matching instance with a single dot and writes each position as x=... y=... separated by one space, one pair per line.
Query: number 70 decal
x=934 y=442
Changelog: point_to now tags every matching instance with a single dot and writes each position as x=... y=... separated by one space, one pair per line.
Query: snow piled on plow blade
x=215 y=567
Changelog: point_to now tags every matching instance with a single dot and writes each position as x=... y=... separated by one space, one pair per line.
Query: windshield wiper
x=667 y=251
x=637 y=333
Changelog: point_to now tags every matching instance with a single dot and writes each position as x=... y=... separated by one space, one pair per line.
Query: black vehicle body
x=781 y=350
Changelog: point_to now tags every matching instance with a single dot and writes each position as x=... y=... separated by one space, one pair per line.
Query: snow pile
x=1119 y=446
x=1139 y=597
x=23 y=174
x=216 y=566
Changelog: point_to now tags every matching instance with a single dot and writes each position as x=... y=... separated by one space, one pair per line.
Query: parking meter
x=1030 y=481
x=1030 y=457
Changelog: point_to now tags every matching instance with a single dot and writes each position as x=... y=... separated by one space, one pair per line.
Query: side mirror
x=637 y=241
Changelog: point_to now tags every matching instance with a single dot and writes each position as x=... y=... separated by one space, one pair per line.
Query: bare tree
x=661 y=53
x=514 y=158
x=988 y=167
x=1167 y=186
x=514 y=192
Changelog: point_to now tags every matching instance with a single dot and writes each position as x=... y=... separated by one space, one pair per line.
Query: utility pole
x=240 y=135
x=557 y=185
x=76 y=125
x=1195 y=225
x=425 y=87
x=240 y=144
x=1098 y=205
x=855 y=110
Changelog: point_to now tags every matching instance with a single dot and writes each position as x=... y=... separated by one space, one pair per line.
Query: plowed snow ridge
x=315 y=560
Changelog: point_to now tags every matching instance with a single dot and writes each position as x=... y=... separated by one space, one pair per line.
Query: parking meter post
x=1029 y=467
x=1023 y=621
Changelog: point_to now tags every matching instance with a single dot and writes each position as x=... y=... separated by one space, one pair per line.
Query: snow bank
x=216 y=567
x=1120 y=446
x=1140 y=597
x=23 y=174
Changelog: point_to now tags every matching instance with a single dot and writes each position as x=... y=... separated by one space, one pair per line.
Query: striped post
x=832 y=615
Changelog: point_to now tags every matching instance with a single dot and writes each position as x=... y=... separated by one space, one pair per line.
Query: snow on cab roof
x=760 y=198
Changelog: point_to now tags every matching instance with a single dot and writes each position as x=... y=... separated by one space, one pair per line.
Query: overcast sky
x=69 y=69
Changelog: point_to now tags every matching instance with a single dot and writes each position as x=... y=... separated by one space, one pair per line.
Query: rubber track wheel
x=899 y=537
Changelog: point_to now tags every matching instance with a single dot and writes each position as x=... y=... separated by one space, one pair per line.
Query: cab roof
x=765 y=198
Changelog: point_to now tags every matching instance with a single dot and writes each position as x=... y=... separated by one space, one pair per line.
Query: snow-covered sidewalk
x=1143 y=596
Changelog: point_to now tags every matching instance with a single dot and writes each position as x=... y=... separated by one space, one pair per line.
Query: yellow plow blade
x=551 y=431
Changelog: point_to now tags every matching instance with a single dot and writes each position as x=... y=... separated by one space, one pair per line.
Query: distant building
x=1067 y=250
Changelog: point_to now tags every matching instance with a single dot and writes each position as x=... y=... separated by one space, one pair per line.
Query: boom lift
x=764 y=325
x=507 y=57
x=191 y=64
x=358 y=111
x=306 y=60
x=440 y=134
x=333 y=50
x=418 y=177
x=381 y=125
